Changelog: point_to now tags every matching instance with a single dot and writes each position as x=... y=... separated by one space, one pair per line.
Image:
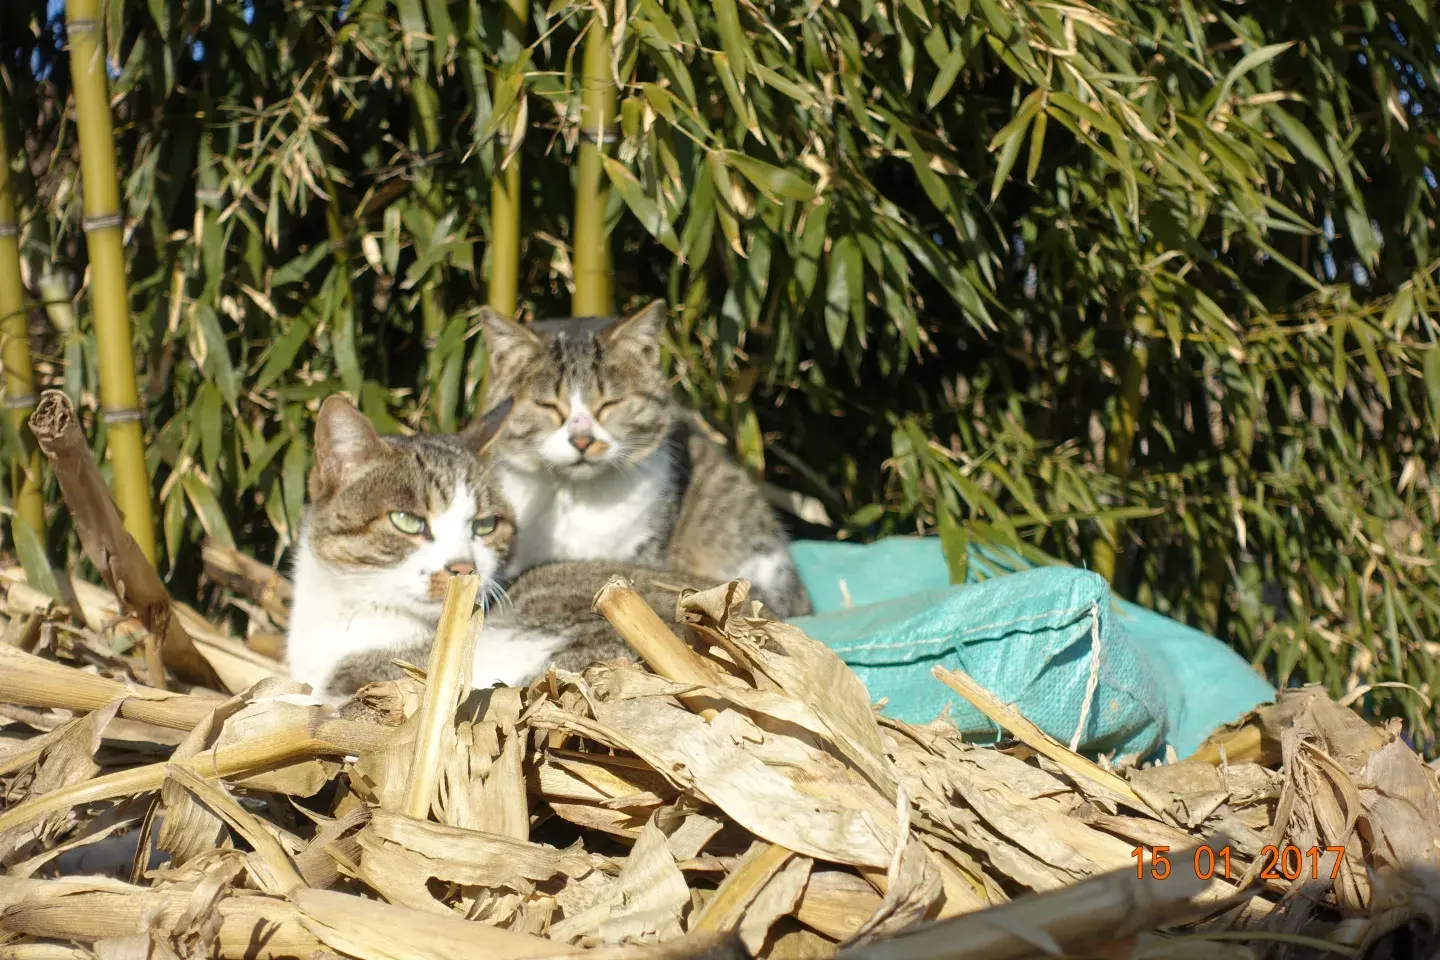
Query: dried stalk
x=84 y=911
x=1072 y=921
x=121 y=561
x=259 y=927
x=726 y=909
x=446 y=681
x=1040 y=741
x=29 y=681
x=249 y=578
x=309 y=733
x=642 y=628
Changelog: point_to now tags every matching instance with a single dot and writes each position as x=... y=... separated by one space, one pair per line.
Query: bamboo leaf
x=774 y=182
x=732 y=40
x=845 y=274
x=650 y=213
x=1299 y=136
x=945 y=79
x=1247 y=63
x=207 y=508
x=664 y=26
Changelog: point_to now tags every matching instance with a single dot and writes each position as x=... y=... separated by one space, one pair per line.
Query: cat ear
x=508 y=345
x=503 y=335
x=345 y=440
x=642 y=328
x=479 y=435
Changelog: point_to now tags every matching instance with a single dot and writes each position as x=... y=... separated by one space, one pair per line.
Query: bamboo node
x=20 y=403
x=128 y=415
x=9 y=229
x=80 y=25
x=103 y=222
x=602 y=136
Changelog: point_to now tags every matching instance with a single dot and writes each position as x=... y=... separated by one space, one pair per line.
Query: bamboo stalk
x=590 y=253
x=446 y=680
x=109 y=298
x=109 y=544
x=19 y=373
x=442 y=374
x=504 y=280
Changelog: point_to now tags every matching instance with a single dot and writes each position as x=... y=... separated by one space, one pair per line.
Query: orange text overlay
x=1276 y=863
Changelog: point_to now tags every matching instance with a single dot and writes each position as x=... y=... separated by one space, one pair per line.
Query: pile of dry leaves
x=735 y=795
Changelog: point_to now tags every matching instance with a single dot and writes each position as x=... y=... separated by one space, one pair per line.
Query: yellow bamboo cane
x=504 y=280
x=109 y=298
x=19 y=374
x=591 y=253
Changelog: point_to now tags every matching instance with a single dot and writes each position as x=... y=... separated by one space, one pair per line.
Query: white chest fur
x=608 y=517
x=337 y=615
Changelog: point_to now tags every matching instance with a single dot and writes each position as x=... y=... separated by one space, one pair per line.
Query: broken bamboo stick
x=113 y=551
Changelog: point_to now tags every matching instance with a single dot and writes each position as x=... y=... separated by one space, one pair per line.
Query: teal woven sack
x=1051 y=640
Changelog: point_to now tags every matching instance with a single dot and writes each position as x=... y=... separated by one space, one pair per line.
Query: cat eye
x=407 y=522
x=483 y=526
x=605 y=407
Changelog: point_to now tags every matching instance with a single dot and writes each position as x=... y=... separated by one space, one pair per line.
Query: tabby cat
x=600 y=463
x=545 y=618
x=390 y=521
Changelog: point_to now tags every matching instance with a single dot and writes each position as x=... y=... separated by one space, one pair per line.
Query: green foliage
x=1150 y=286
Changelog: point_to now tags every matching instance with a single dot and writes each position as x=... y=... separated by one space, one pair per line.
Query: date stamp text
x=1288 y=862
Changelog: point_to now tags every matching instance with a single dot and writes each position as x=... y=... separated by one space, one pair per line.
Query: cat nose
x=459 y=568
x=581 y=441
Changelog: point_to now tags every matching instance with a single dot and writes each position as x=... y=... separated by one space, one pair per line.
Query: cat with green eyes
x=390 y=521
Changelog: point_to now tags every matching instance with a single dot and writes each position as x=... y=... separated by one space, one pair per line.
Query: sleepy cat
x=390 y=521
x=599 y=462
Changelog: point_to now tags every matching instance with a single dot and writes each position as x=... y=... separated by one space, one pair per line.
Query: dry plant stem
x=311 y=734
x=668 y=656
x=259 y=927
x=107 y=543
x=446 y=681
x=251 y=578
x=43 y=951
x=647 y=634
x=1011 y=719
x=727 y=908
x=109 y=299
x=263 y=928
x=1071 y=921
x=29 y=681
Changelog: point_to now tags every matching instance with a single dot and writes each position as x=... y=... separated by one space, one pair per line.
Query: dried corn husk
x=737 y=797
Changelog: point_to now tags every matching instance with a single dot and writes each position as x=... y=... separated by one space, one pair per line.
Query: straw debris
x=732 y=794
